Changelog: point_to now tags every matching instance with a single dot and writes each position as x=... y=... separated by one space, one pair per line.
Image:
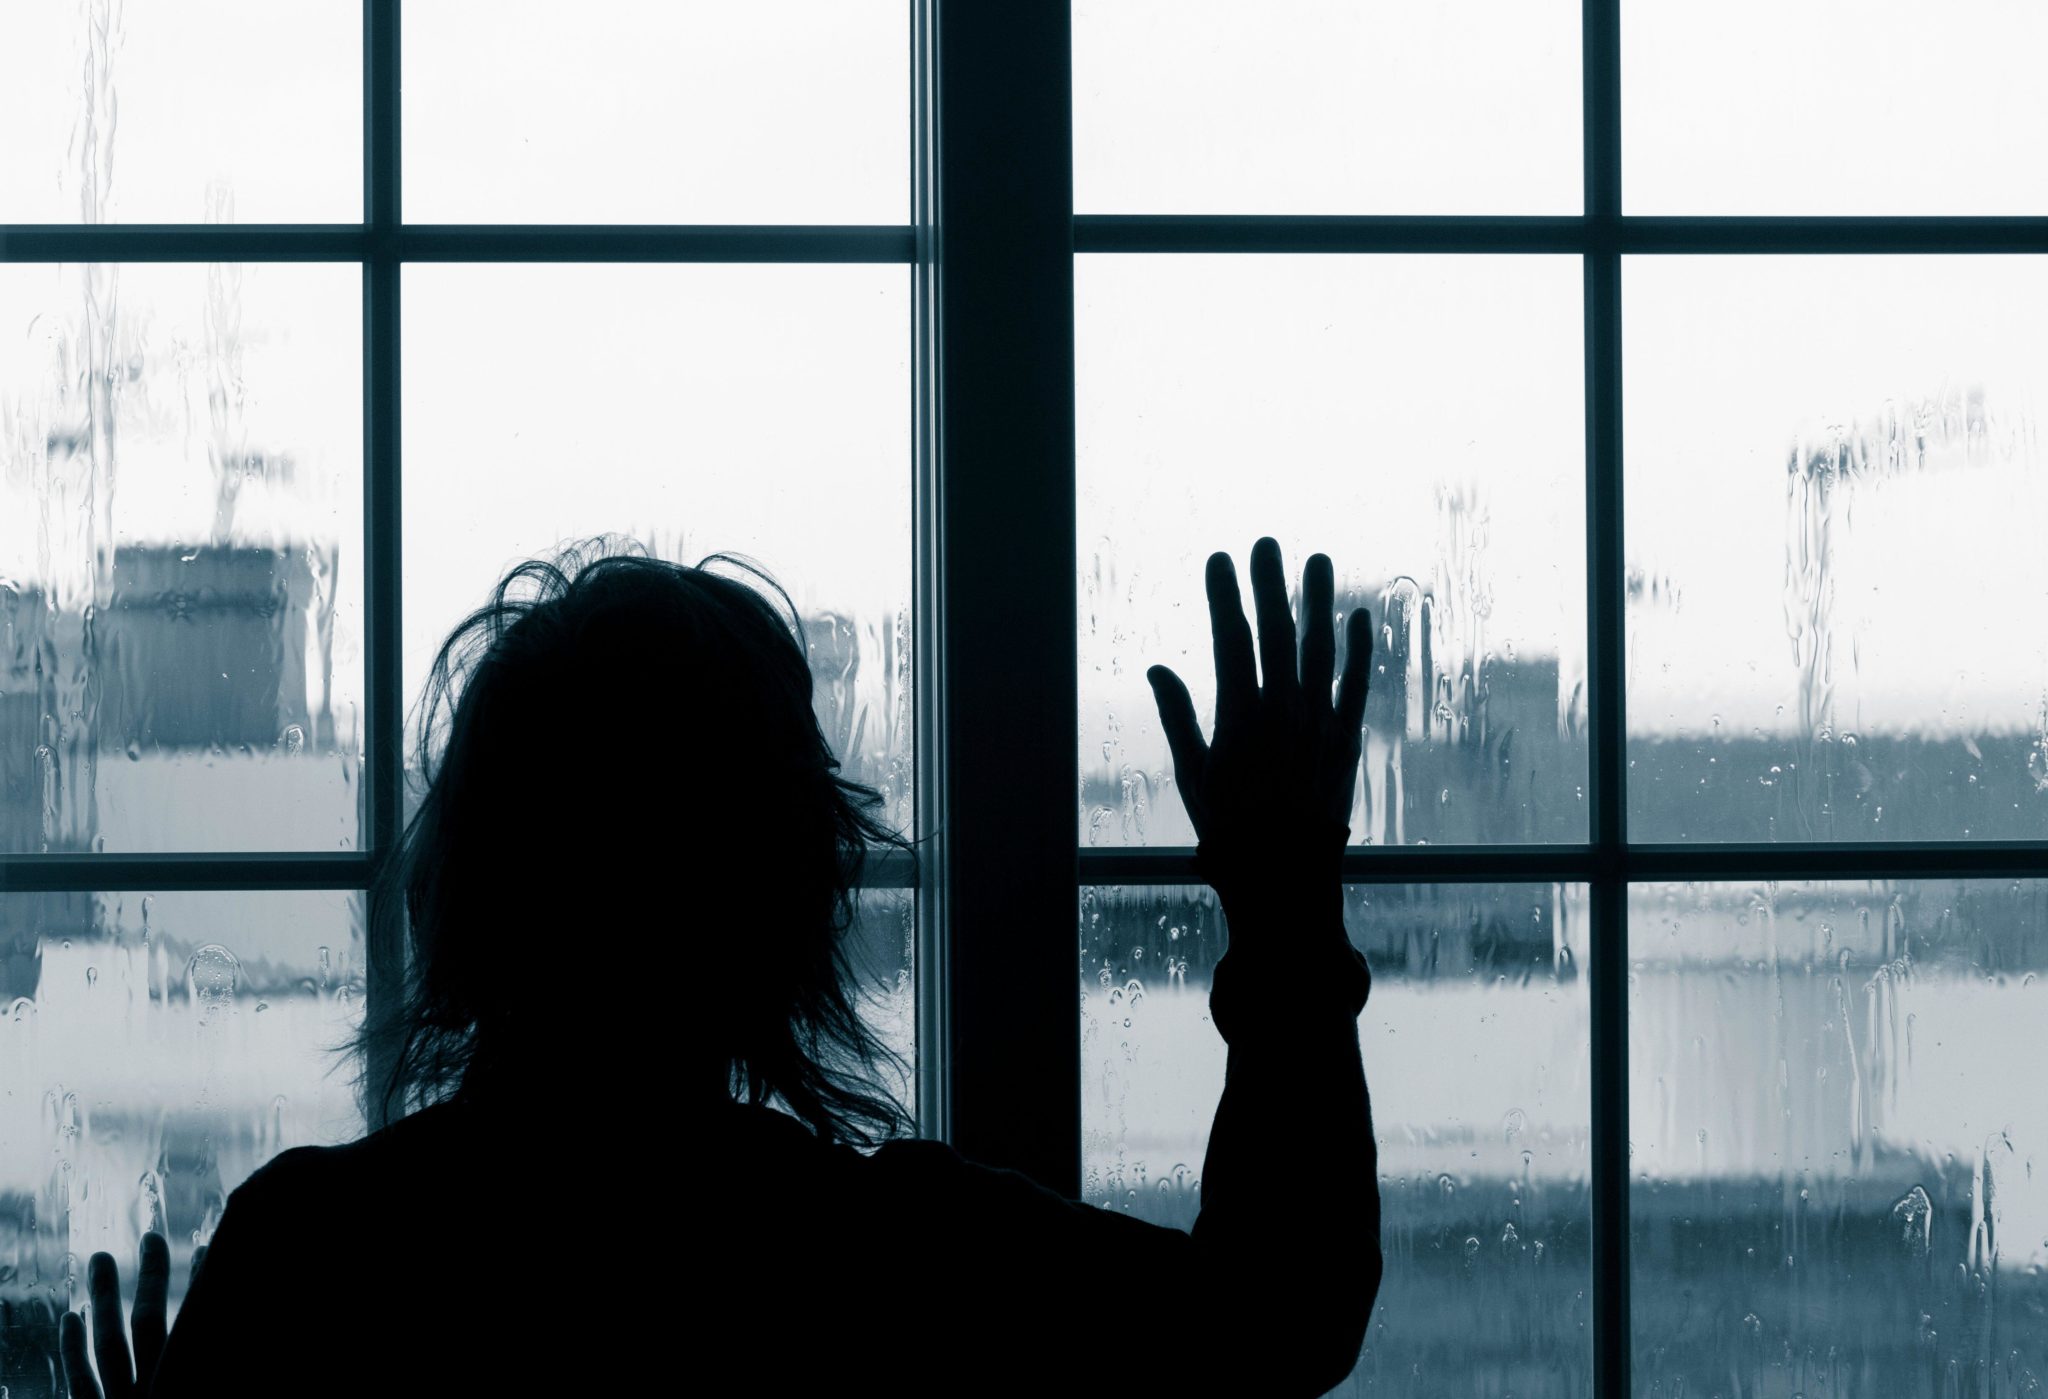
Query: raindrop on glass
x=211 y=978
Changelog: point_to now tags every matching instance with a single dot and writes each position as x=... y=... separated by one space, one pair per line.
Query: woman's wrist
x=1259 y=866
x=1289 y=968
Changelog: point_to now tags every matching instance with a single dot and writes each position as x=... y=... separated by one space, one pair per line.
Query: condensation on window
x=1835 y=470
x=1419 y=420
x=156 y=1048
x=1836 y=1130
x=137 y=112
x=1476 y=1051
x=180 y=557
x=882 y=951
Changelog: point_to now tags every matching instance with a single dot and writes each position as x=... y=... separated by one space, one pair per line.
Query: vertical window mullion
x=1004 y=302
x=932 y=1102
x=384 y=765
x=1600 y=58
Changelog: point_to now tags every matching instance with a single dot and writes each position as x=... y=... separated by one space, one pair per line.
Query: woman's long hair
x=621 y=752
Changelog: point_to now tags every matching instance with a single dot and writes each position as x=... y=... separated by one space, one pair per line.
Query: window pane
x=156 y=1049
x=180 y=556
x=181 y=111
x=763 y=410
x=650 y=111
x=1827 y=107
x=1834 y=486
x=1836 y=1127
x=1326 y=107
x=882 y=948
x=1475 y=1045
x=1419 y=419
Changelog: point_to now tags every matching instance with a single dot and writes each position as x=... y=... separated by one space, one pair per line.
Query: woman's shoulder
x=403 y=1147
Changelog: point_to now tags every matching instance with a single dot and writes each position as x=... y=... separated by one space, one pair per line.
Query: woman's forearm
x=1290 y=1187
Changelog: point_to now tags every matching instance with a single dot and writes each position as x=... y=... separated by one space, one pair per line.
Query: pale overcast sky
x=1330 y=401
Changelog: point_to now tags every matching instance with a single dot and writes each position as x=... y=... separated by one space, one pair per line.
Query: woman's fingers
x=1276 y=623
x=147 y=1323
x=109 y=1332
x=77 y=1369
x=1237 y=678
x=1357 y=673
x=1318 y=630
x=1183 y=731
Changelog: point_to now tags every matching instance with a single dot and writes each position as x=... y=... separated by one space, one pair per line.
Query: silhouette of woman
x=627 y=885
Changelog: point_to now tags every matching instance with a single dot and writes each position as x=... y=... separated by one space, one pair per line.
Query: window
x=1692 y=478
x=1656 y=376
x=264 y=440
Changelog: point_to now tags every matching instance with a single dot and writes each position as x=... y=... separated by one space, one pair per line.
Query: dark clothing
x=731 y=1251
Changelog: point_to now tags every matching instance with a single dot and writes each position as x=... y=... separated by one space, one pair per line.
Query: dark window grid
x=950 y=673
x=381 y=244
x=1608 y=862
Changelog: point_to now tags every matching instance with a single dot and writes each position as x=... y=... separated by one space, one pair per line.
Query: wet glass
x=1837 y=1137
x=652 y=111
x=181 y=111
x=881 y=949
x=1835 y=579
x=156 y=1048
x=1826 y=107
x=693 y=409
x=180 y=557
x=1420 y=420
x=1326 y=107
x=1475 y=1046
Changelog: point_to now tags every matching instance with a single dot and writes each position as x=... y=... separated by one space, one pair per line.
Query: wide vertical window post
x=1003 y=306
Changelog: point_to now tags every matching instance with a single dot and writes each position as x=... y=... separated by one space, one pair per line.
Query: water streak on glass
x=689 y=410
x=156 y=1048
x=1419 y=420
x=1475 y=1044
x=1836 y=1127
x=882 y=950
x=1834 y=470
x=119 y=112
x=180 y=517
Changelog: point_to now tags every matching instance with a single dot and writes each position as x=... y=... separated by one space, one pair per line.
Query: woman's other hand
x=122 y=1374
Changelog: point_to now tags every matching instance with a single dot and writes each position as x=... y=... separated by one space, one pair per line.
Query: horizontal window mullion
x=90 y=873
x=1902 y=860
x=1260 y=233
x=885 y=869
x=1398 y=864
x=1177 y=233
x=856 y=243
x=656 y=243
x=1409 y=864
x=305 y=242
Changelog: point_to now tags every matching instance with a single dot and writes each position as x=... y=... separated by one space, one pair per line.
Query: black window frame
x=989 y=246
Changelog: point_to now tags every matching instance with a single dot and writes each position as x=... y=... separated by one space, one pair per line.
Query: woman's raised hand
x=1277 y=778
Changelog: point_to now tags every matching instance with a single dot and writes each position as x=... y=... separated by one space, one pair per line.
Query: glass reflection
x=1835 y=582
x=180 y=557
x=748 y=409
x=1835 y=1123
x=1419 y=419
x=1475 y=1045
x=155 y=1049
